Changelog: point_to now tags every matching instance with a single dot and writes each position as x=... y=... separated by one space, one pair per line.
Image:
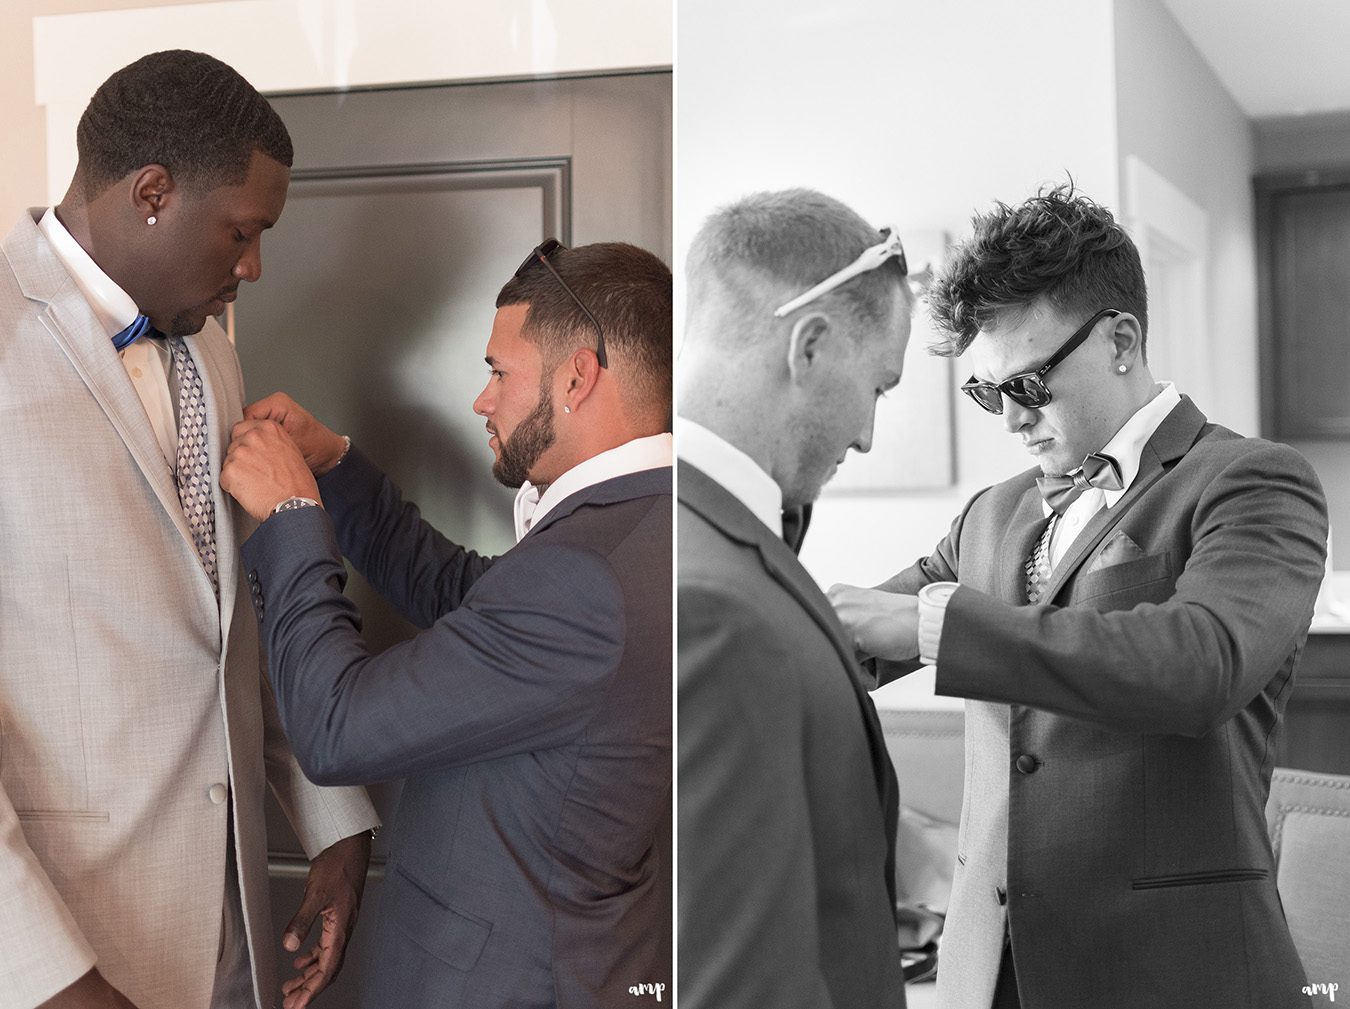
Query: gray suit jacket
x=788 y=801
x=531 y=717
x=126 y=691
x=1119 y=734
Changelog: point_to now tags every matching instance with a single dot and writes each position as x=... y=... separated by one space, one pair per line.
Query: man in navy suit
x=532 y=714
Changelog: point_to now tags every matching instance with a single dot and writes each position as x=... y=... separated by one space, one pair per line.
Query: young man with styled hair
x=1125 y=628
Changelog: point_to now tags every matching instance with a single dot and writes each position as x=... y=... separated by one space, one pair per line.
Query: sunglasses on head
x=540 y=254
x=872 y=258
x=1029 y=389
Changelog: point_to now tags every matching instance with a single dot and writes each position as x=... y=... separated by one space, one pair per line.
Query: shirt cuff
x=933 y=599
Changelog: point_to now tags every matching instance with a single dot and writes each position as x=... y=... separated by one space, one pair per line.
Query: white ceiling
x=1276 y=59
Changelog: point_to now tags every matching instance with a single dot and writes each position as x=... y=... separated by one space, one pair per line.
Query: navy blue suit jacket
x=531 y=718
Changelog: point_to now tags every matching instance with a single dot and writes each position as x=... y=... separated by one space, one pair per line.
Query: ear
x=1127 y=342
x=152 y=188
x=579 y=373
x=808 y=339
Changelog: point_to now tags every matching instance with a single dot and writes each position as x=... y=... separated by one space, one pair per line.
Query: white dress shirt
x=149 y=363
x=736 y=472
x=1126 y=447
x=653 y=452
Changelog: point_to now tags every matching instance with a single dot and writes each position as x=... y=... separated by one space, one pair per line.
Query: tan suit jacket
x=129 y=699
x=1120 y=736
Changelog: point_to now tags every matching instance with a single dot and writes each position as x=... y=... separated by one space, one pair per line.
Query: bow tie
x=139 y=327
x=1100 y=471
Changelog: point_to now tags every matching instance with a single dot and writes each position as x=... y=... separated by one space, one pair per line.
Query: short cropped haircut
x=186 y=111
x=797 y=237
x=628 y=290
x=1058 y=245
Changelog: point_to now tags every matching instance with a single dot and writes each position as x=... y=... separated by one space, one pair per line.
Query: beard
x=532 y=437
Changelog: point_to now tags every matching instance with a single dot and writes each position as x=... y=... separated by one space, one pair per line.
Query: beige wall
x=23 y=169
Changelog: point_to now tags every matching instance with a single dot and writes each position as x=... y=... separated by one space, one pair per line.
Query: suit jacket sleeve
x=940 y=566
x=420 y=572
x=747 y=872
x=1240 y=608
x=319 y=816
x=520 y=666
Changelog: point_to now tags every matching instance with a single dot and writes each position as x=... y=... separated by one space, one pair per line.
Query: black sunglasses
x=1029 y=389
x=540 y=254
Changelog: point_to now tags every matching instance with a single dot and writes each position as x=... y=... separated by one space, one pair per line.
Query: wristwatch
x=292 y=503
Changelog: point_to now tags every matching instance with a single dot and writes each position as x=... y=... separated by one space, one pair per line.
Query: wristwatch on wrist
x=292 y=503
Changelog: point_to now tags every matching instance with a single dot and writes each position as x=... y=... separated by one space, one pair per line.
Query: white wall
x=916 y=114
x=1174 y=114
x=297 y=45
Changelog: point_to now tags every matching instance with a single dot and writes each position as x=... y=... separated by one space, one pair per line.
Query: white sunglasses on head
x=875 y=257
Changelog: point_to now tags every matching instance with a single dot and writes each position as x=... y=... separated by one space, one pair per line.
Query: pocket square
x=1117 y=550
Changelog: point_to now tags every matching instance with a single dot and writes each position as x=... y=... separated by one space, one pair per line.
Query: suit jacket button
x=1027 y=764
x=217 y=793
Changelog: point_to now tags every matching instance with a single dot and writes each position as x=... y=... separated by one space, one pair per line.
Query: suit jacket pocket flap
x=452 y=936
x=1125 y=575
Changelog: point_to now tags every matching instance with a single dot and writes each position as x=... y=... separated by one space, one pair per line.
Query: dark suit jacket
x=1119 y=735
x=532 y=719
x=788 y=802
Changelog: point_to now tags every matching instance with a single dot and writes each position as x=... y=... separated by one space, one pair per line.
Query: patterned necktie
x=1100 y=471
x=1038 y=565
x=193 y=466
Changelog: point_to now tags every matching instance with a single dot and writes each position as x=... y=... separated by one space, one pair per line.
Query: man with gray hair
x=787 y=797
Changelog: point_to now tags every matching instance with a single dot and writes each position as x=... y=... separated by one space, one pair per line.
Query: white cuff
x=933 y=599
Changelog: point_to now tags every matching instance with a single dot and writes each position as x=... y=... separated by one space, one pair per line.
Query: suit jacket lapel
x=1024 y=529
x=1172 y=440
x=71 y=323
x=705 y=496
x=75 y=330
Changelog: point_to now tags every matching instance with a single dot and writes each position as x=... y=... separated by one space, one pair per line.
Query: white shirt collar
x=652 y=452
x=739 y=475
x=1126 y=446
x=112 y=306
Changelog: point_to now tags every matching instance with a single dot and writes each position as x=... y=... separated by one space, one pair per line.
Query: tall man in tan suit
x=136 y=734
x=1125 y=631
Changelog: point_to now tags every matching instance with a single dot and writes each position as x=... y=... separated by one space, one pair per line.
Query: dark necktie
x=192 y=467
x=795 y=521
x=1100 y=471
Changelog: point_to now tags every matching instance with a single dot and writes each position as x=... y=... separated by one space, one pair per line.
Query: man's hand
x=882 y=625
x=90 y=992
x=263 y=468
x=337 y=878
x=321 y=447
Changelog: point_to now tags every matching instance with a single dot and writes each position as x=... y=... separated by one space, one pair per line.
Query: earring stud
x=567 y=409
x=151 y=220
x=1123 y=368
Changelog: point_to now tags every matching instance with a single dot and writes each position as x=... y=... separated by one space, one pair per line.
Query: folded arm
x=519 y=666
